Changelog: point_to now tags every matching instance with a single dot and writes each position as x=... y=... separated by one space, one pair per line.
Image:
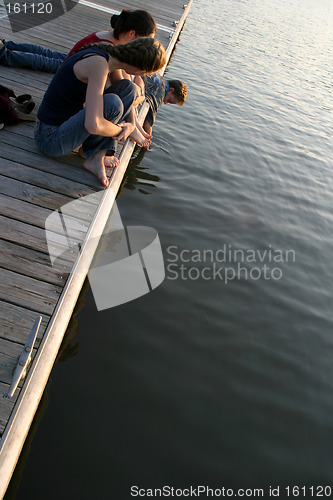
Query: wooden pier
x=32 y=187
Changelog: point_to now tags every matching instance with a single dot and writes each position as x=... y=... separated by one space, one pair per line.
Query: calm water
x=210 y=380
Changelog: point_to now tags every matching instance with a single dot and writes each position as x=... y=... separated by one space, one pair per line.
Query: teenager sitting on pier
x=159 y=91
x=63 y=121
x=125 y=27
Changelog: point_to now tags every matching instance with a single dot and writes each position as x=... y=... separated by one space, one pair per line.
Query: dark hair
x=180 y=90
x=146 y=54
x=138 y=20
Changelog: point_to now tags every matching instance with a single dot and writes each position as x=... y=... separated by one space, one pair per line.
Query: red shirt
x=87 y=40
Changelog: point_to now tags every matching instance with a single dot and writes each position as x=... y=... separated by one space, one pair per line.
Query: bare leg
x=137 y=137
x=142 y=131
x=95 y=165
x=147 y=127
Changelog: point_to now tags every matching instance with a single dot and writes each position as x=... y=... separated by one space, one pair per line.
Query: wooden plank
x=6 y=405
x=33 y=37
x=161 y=11
x=32 y=263
x=36 y=216
x=33 y=237
x=27 y=143
x=25 y=76
x=27 y=192
x=21 y=135
x=16 y=323
x=23 y=211
x=45 y=199
x=24 y=142
x=24 y=81
x=73 y=25
x=48 y=164
x=46 y=180
x=69 y=26
x=28 y=292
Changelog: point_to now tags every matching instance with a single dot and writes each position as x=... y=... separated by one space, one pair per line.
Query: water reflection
x=137 y=176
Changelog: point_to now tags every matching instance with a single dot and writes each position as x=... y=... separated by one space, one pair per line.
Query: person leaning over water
x=125 y=27
x=159 y=91
x=63 y=121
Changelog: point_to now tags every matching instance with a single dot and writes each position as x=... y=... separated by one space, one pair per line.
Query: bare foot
x=137 y=137
x=111 y=161
x=80 y=152
x=147 y=136
x=145 y=133
x=95 y=165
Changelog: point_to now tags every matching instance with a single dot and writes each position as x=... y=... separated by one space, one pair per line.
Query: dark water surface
x=216 y=378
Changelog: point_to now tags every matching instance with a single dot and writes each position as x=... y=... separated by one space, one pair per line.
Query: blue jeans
x=59 y=140
x=25 y=55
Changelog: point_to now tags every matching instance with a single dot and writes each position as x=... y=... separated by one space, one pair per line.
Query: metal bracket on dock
x=24 y=359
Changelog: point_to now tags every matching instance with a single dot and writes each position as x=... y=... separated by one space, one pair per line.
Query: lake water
x=216 y=378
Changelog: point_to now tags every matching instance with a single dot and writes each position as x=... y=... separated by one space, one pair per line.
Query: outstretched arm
x=127 y=127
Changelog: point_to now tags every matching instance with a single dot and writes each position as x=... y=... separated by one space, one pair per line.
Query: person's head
x=133 y=24
x=141 y=56
x=176 y=93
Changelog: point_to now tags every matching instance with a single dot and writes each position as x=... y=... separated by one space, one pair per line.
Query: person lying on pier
x=75 y=110
x=159 y=91
x=125 y=27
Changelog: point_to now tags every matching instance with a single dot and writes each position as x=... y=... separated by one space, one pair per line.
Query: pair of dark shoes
x=25 y=107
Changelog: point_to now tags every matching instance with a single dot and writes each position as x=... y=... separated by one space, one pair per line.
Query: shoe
x=2 y=126
x=27 y=113
x=20 y=99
